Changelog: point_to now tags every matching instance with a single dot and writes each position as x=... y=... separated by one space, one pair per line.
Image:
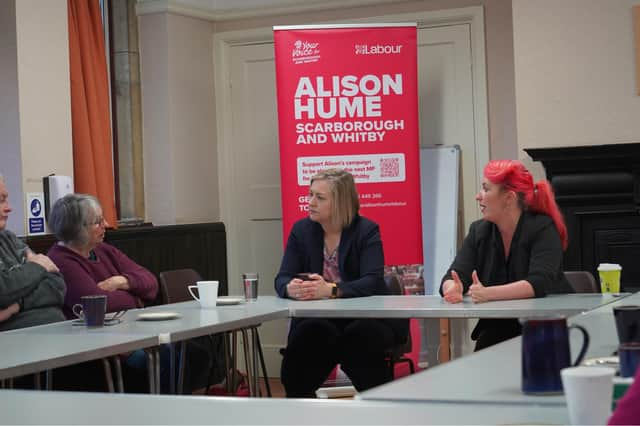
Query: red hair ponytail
x=538 y=198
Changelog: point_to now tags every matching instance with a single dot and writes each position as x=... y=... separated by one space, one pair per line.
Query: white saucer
x=229 y=300
x=158 y=316
x=603 y=361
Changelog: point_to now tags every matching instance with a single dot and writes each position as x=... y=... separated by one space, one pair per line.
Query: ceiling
x=220 y=10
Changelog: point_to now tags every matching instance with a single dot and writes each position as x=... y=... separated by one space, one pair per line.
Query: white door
x=446 y=117
x=446 y=104
x=250 y=180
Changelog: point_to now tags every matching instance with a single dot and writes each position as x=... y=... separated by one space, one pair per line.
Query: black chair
x=582 y=281
x=174 y=285
x=396 y=354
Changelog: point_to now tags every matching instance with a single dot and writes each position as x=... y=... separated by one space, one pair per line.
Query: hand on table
x=477 y=291
x=117 y=282
x=316 y=288
x=453 y=289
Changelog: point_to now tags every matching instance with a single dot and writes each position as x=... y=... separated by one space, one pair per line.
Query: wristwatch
x=334 y=290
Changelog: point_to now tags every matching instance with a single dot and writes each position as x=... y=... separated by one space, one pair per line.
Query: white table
x=493 y=375
x=67 y=344
x=195 y=321
x=436 y=307
x=40 y=348
x=34 y=349
x=33 y=407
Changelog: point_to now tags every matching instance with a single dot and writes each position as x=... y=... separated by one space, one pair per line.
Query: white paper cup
x=588 y=391
x=207 y=293
x=609 y=274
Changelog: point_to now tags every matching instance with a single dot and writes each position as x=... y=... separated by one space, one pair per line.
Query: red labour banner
x=347 y=98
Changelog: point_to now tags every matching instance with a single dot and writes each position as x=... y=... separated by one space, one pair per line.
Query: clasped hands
x=117 y=282
x=453 y=289
x=314 y=288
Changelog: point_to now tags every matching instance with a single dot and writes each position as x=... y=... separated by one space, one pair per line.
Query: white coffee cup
x=207 y=292
x=588 y=391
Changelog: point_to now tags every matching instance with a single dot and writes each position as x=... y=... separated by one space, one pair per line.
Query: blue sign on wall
x=35 y=213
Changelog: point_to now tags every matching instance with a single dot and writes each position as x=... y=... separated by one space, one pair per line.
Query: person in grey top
x=31 y=287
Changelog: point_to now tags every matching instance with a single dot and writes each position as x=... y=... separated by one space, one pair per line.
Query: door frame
x=223 y=42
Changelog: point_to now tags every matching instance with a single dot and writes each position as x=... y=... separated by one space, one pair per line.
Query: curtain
x=90 y=118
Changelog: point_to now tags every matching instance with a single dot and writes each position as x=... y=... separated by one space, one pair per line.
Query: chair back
x=582 y=281
x=173 y=285
x=393 y=284
x=395 y=289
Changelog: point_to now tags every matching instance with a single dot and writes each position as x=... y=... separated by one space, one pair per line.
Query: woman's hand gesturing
x=452 y=289
x=478 y=291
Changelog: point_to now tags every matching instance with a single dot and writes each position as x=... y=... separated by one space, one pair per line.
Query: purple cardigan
x=82 y=276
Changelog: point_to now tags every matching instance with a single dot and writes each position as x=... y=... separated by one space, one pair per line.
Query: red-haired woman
x=513 y=252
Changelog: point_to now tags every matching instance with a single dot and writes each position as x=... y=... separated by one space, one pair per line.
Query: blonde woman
x=334 y=253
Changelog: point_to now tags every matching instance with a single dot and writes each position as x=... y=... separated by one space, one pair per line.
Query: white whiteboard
x=439 y=169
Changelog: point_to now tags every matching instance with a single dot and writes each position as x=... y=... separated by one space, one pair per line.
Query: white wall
x=44 y=88
x=154 y=76
x=176 y=56
x=35 y=108
x=193 y=129
x=10 y=157
x=575 y=73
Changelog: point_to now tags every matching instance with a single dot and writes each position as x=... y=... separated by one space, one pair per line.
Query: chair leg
x=254 y=361
x=118 y=370
x=181 y=367
x=107 y=375
x=157 y=369
x=263 y=365
x=172 y=368
x=227 y=361
x=150 y=370
x=234 y=359
x=211 y=343
x=412 y=367
x=48 y=379
x=247 y=361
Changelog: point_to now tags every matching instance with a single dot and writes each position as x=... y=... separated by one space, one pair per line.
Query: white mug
x=588 y=391
x=208 y=292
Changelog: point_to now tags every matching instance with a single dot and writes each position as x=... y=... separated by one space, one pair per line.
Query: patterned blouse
x=330 y=272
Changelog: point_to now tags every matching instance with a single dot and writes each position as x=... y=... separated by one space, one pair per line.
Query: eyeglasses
x=97 y=222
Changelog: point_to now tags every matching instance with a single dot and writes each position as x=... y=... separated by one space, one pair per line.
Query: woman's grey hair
x=70 y=216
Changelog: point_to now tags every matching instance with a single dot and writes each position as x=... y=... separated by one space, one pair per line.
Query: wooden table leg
x=444 y=354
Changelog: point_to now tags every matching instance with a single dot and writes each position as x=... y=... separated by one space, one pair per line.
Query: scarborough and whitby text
x=349 y=101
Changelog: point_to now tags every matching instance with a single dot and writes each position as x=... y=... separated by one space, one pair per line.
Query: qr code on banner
x=389 y=167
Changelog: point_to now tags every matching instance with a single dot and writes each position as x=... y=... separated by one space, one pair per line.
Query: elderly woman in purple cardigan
x=90 y=266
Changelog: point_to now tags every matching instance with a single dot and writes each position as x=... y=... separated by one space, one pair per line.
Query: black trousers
x=489 y=332
x=316 y=345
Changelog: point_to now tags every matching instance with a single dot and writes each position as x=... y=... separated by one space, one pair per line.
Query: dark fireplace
x=598 y=189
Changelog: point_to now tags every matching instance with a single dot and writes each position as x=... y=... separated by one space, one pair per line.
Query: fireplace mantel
x=598 y=190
